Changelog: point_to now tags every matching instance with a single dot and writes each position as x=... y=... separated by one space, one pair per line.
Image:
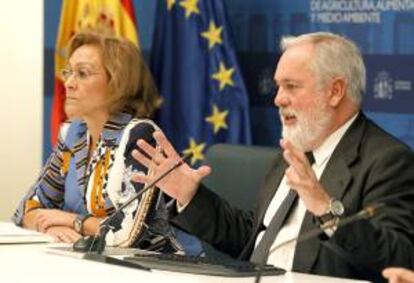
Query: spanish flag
x=116 y=17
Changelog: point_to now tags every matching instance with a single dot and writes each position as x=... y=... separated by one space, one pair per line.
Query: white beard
x=310 y=126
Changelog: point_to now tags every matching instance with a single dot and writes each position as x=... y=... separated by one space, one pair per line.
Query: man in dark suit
x=353 y=163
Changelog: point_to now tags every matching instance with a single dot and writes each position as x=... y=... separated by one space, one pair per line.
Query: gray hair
x=334 y=56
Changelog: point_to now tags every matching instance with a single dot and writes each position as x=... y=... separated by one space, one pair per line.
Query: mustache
x=287 y=112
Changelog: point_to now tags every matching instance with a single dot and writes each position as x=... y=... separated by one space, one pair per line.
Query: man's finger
x=158 y=157
x=300 y=168
x=144 y=160
x=147 y=148
x=203 y=171
x=139 y=178
x=296 y=153
x=293 y=179
x=165 y=144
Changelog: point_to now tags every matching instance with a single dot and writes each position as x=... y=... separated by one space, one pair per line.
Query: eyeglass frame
x=67 y=73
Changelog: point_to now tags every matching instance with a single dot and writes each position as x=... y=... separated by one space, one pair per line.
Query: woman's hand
x=63 y=234
x=47 y=218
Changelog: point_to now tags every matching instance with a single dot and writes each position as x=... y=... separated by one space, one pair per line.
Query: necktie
x=262 y=249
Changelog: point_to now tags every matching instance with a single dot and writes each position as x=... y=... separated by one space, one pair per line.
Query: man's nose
x=281 y=98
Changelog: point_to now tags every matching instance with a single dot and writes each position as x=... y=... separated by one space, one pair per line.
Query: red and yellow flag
x=109 y=16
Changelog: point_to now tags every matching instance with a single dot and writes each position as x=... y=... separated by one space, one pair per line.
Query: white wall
x=21 y=99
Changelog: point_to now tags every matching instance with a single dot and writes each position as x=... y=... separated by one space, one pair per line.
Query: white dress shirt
x=283 y=256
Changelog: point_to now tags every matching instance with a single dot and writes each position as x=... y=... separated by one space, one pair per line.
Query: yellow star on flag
x=196 y=150
x=224 y=76
x=190 y=7
x=213 y=35
x=170 y=4
x=218 y=119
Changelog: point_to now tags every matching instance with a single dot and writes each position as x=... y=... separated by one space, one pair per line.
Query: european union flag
x=195 y=67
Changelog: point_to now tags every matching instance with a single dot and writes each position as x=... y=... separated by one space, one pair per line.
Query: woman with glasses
x=109 y=93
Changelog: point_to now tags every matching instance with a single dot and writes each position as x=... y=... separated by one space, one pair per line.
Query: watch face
x=77 y=225
x=337 y=208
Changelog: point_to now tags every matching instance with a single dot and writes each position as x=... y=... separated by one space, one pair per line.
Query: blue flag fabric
x=194 y=65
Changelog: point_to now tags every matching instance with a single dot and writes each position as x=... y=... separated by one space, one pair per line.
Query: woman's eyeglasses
x=80 y=75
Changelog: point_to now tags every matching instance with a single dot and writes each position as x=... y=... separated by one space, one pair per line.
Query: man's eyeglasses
x=80 y=75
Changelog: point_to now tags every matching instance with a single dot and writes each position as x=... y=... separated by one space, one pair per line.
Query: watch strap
x=332 y=214
x=322 y=219
x=79 y=222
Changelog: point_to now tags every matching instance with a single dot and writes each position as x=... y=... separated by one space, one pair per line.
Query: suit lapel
x=336 y=179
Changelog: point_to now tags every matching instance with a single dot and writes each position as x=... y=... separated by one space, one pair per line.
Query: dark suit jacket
x=368 y=166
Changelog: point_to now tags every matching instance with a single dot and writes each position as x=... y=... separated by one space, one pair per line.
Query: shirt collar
x=113 y=126
x=325 y=150
x=111 y=130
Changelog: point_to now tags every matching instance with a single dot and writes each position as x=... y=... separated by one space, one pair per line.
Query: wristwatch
x=78 y=222
x=334 y=212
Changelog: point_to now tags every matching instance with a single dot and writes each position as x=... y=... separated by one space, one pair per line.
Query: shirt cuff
x=180 y=207
x=330 y=231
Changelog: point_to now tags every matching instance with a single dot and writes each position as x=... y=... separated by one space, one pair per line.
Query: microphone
x=365 y=213
x=97 y=242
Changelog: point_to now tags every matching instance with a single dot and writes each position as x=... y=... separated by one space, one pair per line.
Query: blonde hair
x=334 y=56
x=130 y=83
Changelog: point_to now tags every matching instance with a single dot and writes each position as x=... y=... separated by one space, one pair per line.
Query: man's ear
x=337 y=91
